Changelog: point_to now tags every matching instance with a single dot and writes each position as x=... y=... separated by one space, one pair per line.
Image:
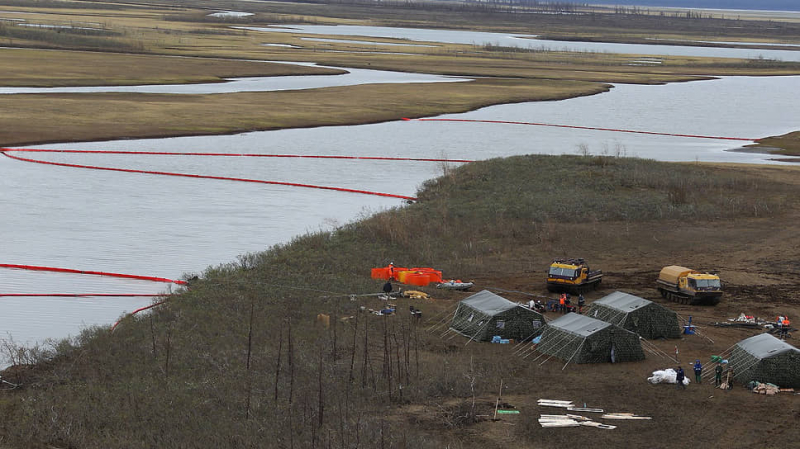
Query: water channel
x=167 y=227
x=414 y=35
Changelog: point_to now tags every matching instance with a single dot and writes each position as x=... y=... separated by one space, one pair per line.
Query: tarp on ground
x=578 y=338
x=638 y=315
x=765 y=358
x=485 y=314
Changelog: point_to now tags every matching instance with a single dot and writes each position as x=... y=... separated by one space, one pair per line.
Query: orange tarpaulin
x=386 y=272
x=419 y=276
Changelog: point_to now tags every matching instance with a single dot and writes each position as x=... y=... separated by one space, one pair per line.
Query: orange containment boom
x=96 y=273
x=387 y=272
x=419 y=276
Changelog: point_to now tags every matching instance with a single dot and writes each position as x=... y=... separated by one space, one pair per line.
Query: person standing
x=679 y=379
x=387 y=288
x=581 y=303
x=729 y=378
x=718 y=375
x=698 y=372
x=562 y=303
x=785 y=324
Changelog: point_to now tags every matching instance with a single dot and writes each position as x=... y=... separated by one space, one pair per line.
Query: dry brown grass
x=26 y=119
x=788 y=144
x=43 y=68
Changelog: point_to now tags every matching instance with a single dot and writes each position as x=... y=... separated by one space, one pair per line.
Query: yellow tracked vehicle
x=687 y=286
x=572 y=276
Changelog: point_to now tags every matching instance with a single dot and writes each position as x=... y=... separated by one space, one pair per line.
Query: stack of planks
x=555 y=403
x=568 y=420
x=624 y=416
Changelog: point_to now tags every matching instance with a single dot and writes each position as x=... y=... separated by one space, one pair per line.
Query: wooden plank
x=623 y=416
x=578 y=417
x=554 y=403
x=585 y=409
x=597 y=425
x=559 y=424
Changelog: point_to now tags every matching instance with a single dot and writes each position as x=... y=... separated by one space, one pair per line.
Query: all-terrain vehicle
x=572 y=276
x=687 y=286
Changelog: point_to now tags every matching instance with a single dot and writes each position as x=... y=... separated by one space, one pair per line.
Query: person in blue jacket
x=698 y=372
x=679 y=379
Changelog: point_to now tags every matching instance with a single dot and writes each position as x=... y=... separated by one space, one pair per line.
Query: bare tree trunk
x=353 y=353
x=416 y=348
x=387 y=358
x=278 y=366
x=321 y=405
x=290 y=356
x=366 y=354
x=153 y=336
x=399 y=366
x=350 y=376
x=249 y=354
x=407 y=342
x=167 y=351
x=333 y=351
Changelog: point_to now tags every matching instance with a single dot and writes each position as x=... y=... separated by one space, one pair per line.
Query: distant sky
x=774 y=5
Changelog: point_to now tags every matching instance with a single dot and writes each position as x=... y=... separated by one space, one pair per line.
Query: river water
x=415 y=35
x=253 y=84
x=169 y=226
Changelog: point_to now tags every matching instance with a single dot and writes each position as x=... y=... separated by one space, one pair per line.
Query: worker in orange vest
x=562 y=303
x=785 y=327
x=391 y=271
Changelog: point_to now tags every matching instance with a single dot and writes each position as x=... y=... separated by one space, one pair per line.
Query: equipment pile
x=767 y=388
x=570 y=420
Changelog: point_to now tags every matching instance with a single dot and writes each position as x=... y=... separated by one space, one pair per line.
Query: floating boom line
x=591 y=128
x=96 y=273
x=196 y=176
x=265 y=155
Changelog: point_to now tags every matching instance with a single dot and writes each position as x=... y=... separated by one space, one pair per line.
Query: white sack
x=667 y=376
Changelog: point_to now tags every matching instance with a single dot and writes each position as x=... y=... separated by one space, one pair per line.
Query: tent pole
x=573 y=354
x=478 y=332
x=497 y=403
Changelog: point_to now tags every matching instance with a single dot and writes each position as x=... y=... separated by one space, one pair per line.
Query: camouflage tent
x=764 y=358
x=580 y=339
x=646 y=318
x=484 y=315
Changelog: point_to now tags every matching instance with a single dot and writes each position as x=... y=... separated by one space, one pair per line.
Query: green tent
x=485 y=314
x=580 y=339
x=638 y=315
x=764 y=358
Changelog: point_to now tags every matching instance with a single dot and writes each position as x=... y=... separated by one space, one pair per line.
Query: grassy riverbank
x=787 y=144
x=84 y=117
x=238 y=360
